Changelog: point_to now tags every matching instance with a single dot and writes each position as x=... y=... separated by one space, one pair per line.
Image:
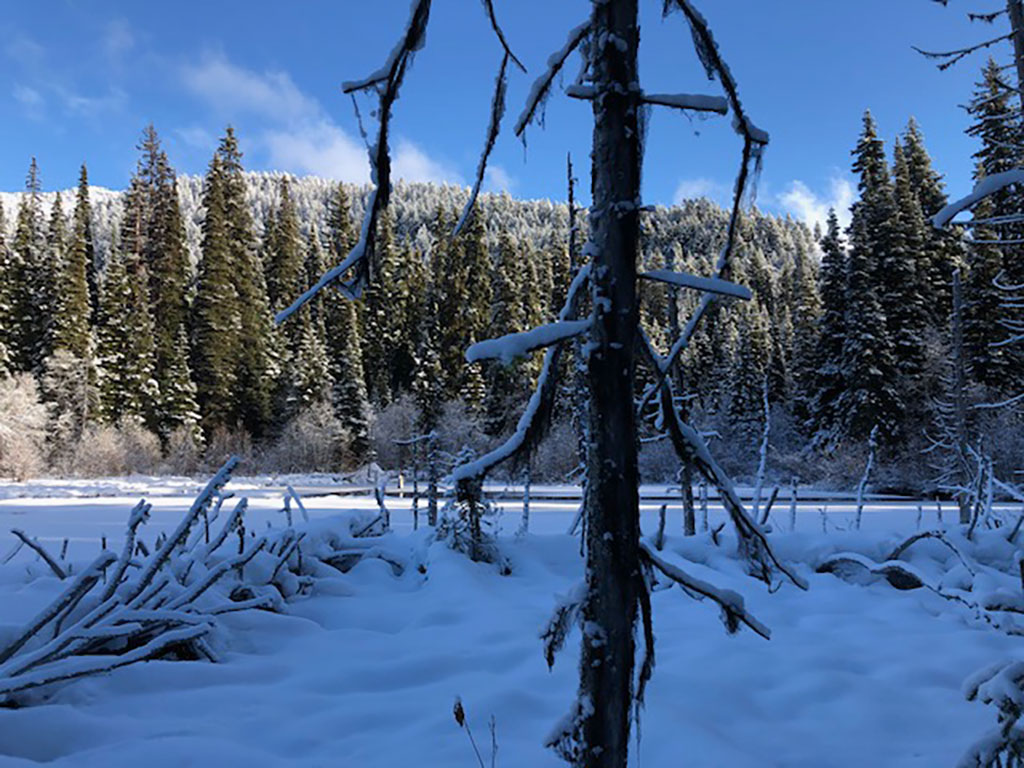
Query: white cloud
x=32 y=101
x=197 y=136
x=689 y=189
x=233 y=90
x=413 y=164
x=811 y=208
x=319 y=148
x=297 y=135
x=118 y=39
x=28 y=97
x=91 y=106
x=497 y=179
x=24 y=50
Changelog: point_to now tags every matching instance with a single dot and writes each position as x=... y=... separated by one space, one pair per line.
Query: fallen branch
x=40 y=550
x=734 y=611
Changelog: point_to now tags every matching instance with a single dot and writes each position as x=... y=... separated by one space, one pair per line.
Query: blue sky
x=80 y=78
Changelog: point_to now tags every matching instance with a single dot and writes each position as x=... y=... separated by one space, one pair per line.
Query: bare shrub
x=556 y=457
x=184 y=452
x=398 y=421
x=313 y=441
x=23 y=424
x=225 y=442
x=459 y=426
x=658 y=462
x=105 y=450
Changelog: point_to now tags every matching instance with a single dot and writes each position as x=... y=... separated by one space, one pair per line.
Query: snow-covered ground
x=364 y=671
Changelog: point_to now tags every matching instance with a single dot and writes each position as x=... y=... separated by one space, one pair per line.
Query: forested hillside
x=141 y=321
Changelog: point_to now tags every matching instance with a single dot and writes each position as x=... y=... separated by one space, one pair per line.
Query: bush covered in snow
x=23 y=423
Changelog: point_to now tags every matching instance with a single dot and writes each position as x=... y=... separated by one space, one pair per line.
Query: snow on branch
x=693 y=101
x=493 y=128
x=533 y=421
x=108 y=617
x=542 y=85
x=386 y=81
x=985 y=187
x=734 y=611
x=706 y=284
x=513 y=345
x=489 y=8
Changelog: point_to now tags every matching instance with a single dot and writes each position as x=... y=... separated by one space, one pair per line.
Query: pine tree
x=169 y=277
x=29 y=279
x=807 y=311
x=215 y=324
x=125 y=345
x=941 y=250
x=351 y=404
x=829 y=383
x=869 y=364
x=749 y=368
x=509 y=307
x=997 y=125
x=343 y=335
x=985 y=358
x=51 y=271
x=179 y=406
x=7 y=317
x=72 y=326
x=383 y=308
x=284 y=258
x=255 y=363
x=82 y=228
x=904 y=303
x=869 y=397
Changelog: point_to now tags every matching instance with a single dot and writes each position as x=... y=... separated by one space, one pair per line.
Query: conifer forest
x=385 y=471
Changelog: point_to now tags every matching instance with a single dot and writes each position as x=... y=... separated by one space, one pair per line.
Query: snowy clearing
x=366 y=669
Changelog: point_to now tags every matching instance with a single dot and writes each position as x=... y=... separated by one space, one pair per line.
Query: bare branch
x=493 y=128
x=489 y=7
x=734 y=611
x=386 y=81
x=690 y=447
x=534 y=419
x=949 y=58
x=201 y=504
x=40 y=550
x=542 y=85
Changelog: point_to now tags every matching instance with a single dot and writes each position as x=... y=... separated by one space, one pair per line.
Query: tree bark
x=612 y=505
x=962 y=470
x=1015 y=10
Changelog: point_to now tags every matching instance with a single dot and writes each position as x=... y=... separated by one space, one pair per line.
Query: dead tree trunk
x=612 y=505
x=1015 y=10
x=960 y=448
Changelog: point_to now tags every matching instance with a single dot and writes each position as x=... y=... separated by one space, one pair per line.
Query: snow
x=365 y=671
x=696 y=101
x=984 y=188
x=541 y=86
x=507 y=348
x=707 y=284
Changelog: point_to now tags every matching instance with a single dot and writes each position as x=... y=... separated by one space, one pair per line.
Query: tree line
x=168 y=325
